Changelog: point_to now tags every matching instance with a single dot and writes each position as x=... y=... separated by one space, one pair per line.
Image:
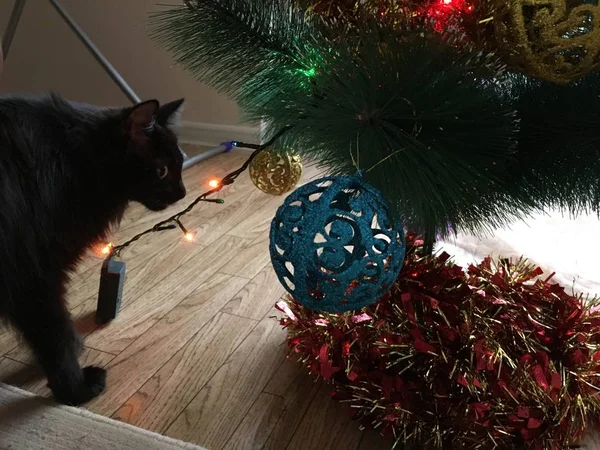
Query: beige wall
x=46 y=55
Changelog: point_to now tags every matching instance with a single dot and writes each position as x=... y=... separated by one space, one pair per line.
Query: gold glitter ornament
x=554 y=40
x=274 y=172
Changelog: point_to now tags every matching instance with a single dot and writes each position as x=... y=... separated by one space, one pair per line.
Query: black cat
x=67 y=173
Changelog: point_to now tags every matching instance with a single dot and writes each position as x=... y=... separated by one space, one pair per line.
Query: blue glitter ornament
x=333 y=245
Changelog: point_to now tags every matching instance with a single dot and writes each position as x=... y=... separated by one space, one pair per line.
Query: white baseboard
x=211 y=135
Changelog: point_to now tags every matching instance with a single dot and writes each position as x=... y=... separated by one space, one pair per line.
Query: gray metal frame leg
x=95 y=51
x=11 y=27
x=210 y=153
x=106 y=65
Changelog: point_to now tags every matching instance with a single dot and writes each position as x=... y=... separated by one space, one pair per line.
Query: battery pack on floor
x=112 y=279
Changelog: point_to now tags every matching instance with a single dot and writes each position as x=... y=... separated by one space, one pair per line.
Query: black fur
x=67 y=173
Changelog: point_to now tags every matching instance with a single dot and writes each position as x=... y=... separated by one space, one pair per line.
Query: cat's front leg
x=47 y=327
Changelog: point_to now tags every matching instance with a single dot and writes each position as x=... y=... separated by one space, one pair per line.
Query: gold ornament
x=274 y=172
x=555 y=40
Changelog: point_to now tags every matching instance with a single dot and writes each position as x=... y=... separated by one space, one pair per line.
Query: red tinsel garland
x=441 y=12
x=493 y=357
x=445 y=12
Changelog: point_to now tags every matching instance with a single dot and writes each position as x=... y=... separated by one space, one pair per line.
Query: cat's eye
x=162 y=172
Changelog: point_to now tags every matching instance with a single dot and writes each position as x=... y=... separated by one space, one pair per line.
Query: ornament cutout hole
x=375 y=225
x=290 y=267
x=314 y=197
x=289 y=284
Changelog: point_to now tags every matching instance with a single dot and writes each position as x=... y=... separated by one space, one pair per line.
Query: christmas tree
x=457 y=116
x=452 y=139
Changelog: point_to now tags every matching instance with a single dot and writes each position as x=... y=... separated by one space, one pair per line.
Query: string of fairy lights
x=173 y=222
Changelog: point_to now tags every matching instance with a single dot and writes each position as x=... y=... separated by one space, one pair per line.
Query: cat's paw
x=94 y=382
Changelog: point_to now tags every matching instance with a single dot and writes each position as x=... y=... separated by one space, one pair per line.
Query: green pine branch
x=558 y=153
x=225 y=43
x=422 y=114
x=451 y=140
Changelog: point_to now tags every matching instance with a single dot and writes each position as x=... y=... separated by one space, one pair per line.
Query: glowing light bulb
x=106 y=249
x=213 y=183
x=189 y=236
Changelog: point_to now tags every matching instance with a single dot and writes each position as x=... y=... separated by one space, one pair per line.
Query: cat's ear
x=140 y=119
x=169 y=113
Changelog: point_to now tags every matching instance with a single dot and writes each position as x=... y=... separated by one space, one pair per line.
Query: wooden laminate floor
x=196 y=352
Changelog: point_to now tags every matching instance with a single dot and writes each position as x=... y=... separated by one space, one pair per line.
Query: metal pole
x=110 y=70
x=11 y=28
x=189 y=162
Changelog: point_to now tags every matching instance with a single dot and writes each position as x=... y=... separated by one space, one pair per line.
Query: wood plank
x=149 y=307
x=326 y=426
x=82 y=285
x=9 y=339
x=131 y=369
x=166 y=394
x=258 y=297
x=372 y=440
x=88 y=357
x=23 y=376
x=250 y=260
x=142 y=258
x=157 y=268
x=215 y=413
x=258 y=223
x=288 y=374
x=297 y=390
x=31 y=377
x=84 y=316
x=240 y=195
x=236 y=209
x=258 y=424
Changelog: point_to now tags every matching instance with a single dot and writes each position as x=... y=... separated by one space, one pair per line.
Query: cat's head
x=154 y=160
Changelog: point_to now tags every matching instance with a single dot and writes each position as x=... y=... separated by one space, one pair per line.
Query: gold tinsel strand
x=349 y=14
